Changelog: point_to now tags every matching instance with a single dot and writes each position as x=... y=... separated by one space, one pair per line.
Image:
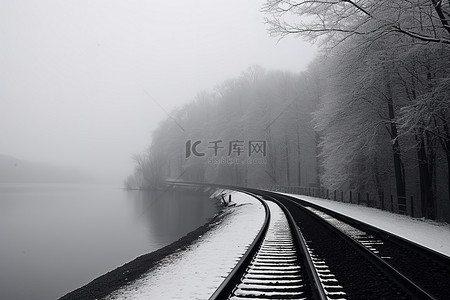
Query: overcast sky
x=74 y=73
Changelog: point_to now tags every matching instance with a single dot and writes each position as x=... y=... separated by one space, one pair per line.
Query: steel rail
x=230 y=282
x=430 y=253
x=408 y=286
x=415 y=291
x=227 y=286
x=318 y=290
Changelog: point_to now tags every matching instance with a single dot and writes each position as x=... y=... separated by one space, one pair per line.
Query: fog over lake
x=84 y=83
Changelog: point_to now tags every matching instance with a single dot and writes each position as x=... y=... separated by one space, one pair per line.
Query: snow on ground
x=195 y=273
x=428 y=233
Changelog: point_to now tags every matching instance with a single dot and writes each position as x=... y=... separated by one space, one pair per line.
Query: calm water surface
x=55 y=238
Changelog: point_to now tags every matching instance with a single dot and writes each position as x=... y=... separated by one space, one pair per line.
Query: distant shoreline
x=14 y=170
x=105 y=284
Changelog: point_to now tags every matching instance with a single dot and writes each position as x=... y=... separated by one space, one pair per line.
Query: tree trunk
x=318 y=168
x=427 y=164
x=398 y=164
x=288 y=175
x=448 y=174
x=378 y=185
x=271 y=158
x=445 y=143
x=299 y=178
x=440 y=12
x=426 y=179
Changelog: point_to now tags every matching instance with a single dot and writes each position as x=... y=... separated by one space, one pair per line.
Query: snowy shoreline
x=199 y=270
x=105 y=284
x=192 y=267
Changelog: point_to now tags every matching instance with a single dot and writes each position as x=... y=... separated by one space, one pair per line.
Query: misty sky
x=74 y=74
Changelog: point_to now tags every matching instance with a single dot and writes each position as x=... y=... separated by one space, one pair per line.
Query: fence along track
x=366 y=248
x=425 y=268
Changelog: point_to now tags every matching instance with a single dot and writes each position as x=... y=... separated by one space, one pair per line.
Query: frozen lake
x=55 y=238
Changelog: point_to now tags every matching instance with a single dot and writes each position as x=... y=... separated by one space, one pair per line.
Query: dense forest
x=370 y=114
x=269 y=111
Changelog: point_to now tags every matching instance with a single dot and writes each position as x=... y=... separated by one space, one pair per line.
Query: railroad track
x=308 y=252
x=277 y=268
x=398 y=268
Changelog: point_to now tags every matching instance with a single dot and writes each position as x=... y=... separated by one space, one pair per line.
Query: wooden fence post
x=401 y=205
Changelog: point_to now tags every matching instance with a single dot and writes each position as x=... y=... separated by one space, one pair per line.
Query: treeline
x=370 y=115
x=384 y=119
x=255 y=129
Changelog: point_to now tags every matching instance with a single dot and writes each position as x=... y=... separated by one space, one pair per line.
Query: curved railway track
x=427 y=269
x=308 y=252
x=276 y=270
x=395 y=265
x=276 y=266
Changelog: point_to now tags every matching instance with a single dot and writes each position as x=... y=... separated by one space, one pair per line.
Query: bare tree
x=336 y=20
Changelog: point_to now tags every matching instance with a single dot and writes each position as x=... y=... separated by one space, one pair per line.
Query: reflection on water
x=55 y=238
x=171 y=214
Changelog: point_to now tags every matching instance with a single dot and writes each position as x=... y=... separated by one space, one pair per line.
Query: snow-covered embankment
x=197 y=271
x=433 y=235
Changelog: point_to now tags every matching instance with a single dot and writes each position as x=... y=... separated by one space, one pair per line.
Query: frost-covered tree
x=424 y=73
x=355 y=126
x=388 y=68
x=334 y=21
